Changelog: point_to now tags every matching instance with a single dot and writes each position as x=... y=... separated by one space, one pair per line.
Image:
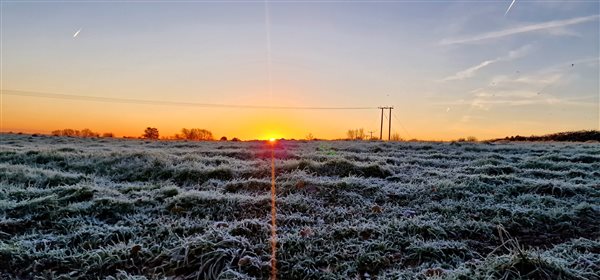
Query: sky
x=450 y=68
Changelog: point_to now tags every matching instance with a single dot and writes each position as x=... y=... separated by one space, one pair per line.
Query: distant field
x=130 y=209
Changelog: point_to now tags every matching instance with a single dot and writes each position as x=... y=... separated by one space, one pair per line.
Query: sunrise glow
x=450 y=70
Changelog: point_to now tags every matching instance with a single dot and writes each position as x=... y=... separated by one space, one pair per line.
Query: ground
x=130 y=209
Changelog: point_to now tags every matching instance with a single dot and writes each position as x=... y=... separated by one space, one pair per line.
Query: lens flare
x=273 y=216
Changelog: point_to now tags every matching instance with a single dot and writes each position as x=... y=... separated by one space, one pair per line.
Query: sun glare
x=272 y=140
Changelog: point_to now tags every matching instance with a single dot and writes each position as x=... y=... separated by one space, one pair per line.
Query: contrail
x=520 y=30
x=509 y=7
x=76 y=33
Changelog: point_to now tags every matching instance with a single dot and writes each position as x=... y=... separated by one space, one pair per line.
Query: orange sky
x=44 y=115
x=451 y=70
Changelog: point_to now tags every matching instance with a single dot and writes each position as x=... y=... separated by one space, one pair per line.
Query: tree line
x=152 y=133
x=568 y=136
x=85 y=133
x=200 y=134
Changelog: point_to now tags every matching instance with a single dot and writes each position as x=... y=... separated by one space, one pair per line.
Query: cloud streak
x=528 y=90
x=470 y=72
x=519 y=30
x=485 y=104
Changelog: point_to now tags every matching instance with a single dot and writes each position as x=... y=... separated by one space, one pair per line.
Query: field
x=73 y=208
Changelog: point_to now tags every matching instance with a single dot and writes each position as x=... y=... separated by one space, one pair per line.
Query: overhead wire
x=77 y=97
x=402 y=126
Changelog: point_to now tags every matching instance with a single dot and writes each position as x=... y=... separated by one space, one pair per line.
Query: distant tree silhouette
x=468 y=139
x=195 y=134
x=568 y=136
x=70 y=132
x=395 y=137
x=151 y=133
x=235 y=139
x=310 y=137
x=86 y=132
x=351 y=134
x=108 y=135
x=356 y=134
x=223 y=138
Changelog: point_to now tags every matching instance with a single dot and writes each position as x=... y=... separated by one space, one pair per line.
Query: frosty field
x=74 y=208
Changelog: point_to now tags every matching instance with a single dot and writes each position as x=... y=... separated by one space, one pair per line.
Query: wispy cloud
x=521 y=29
x=486 y=104
x=470 y=72
x=521 y=98
x=541 y=88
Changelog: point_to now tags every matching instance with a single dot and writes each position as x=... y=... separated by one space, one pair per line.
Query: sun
x=272 y=140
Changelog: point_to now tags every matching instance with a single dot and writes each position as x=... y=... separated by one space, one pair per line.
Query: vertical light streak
x=273 y=217
x=273 y=190
x=268 y=38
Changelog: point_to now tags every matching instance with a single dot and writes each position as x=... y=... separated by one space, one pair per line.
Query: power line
x=400 y=123
x=375 y=123
x=166 y=103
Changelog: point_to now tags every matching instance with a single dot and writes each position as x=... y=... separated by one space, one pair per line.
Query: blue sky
x=450 y=68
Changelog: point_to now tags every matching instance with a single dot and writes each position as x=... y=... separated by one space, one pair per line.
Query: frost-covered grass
x=126 y=209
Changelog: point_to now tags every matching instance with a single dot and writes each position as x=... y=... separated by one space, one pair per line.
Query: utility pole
x=390 y=122
x=371 y=132
x=381 y=128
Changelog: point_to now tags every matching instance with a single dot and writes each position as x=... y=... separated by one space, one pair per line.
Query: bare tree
x=86 y=132
x=356 y=134
x=70 y=132
x=396 y=137
x=360 y=134
x=151 y=133
x=195 y=134
x=351 y=134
